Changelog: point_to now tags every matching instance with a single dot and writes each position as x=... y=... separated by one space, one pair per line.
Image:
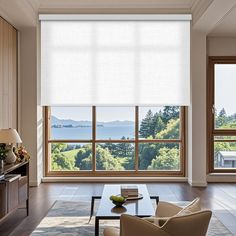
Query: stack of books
x=129 y=191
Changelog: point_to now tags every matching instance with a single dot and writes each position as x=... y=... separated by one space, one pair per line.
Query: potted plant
x=3 y=153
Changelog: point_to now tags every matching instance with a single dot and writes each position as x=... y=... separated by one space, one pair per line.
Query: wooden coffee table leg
x=96 y=226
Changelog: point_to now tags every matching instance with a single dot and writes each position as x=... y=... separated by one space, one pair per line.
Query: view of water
x=106 y=132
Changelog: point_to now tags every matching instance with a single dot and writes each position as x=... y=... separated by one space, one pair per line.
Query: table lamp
x=10 y=136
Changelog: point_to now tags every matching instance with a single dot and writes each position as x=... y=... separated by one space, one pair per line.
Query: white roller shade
x=132 y=60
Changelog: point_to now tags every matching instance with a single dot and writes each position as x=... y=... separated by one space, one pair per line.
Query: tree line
x=164 y=124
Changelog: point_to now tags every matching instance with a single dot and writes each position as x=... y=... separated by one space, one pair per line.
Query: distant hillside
x=67 y=122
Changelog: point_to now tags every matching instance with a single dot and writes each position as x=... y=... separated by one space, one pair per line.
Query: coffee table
x=107 y=211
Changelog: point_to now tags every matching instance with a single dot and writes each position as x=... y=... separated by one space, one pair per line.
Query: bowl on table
x=118 y=201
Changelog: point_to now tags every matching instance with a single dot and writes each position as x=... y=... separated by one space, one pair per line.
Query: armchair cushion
x=111 y=232
x=195 y=224
x=192 y=207
x=166 y=210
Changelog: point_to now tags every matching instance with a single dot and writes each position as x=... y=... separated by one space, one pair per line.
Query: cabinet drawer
x=23 y=188
x=12 y=182
x=3 y=201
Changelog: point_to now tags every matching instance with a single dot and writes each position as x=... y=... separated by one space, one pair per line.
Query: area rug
x=71 y=219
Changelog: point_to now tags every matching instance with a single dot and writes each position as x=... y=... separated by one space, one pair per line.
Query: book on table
x=129 y=191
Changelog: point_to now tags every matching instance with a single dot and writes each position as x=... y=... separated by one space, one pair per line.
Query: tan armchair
x=194 y=224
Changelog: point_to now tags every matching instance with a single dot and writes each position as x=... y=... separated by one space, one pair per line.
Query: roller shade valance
x=129 y=60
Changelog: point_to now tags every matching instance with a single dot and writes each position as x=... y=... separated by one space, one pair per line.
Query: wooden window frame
x=124 y=173
x=211 y=131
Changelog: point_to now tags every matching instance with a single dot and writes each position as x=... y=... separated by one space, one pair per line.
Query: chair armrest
x=111 y=232
x=156 y=220
x=135 y=226
x=166 y=209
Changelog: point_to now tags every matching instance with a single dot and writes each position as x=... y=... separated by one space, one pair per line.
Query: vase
x=11 y=157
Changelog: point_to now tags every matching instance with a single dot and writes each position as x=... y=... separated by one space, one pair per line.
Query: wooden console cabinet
x=14 y=190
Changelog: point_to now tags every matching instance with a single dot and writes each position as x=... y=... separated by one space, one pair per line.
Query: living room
x=100 y=96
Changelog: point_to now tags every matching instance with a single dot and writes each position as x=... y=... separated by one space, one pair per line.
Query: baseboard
x=34 y=183
x=113 y=179
x=197 y=184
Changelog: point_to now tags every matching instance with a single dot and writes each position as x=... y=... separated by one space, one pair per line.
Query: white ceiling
x=24 y=13
x=221 y=13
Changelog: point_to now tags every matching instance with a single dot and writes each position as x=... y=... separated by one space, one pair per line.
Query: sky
x=103 y=113
x=225 y=88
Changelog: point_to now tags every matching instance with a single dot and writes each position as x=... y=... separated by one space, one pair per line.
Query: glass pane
x=159 y=156
x=115 y=156
x=159 y=122
x=225 y=83
x=225 y=153
x=115 y=123
x=70 y=123
x=71 y=157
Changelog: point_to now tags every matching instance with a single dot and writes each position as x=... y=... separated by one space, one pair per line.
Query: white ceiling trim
x=223 y=27
x=116 y=17
x=113 y=4
x=215 y=13
x=199 y=7
x=18 y=13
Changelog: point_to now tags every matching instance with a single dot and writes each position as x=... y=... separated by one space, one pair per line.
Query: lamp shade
x=9 y=136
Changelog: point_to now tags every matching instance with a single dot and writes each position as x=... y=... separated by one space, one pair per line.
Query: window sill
x=221 y=177
x=113 y=179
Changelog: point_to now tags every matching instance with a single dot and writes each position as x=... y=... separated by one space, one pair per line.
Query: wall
x=8 y=75
x=221 y=46
x=32 y=121
x=197 y=112
x=28 y=95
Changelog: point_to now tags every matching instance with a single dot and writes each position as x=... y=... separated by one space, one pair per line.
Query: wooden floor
x=221 y=198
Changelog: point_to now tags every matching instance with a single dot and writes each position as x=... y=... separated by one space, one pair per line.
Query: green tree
x=61 y=162
x=123 y=149
x=168 y=159
x=147 y=151
x=170 y=112
x=221 y=119
x=58 y=147
x=147 y=125
x=171 y=131
x=106 y=161
x=83 y=158
x=158 y=123
x=222 y=146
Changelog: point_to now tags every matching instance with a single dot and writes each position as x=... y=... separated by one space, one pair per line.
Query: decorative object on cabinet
x=10 y=136
x=21 y=153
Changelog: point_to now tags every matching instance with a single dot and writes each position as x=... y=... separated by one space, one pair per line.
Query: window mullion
x=93 y=140
x=136 y=138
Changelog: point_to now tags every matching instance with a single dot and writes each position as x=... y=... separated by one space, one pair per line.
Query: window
x=114 y=141
x=222 y=114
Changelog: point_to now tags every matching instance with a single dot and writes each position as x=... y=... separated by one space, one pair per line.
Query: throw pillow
x=194 y=206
